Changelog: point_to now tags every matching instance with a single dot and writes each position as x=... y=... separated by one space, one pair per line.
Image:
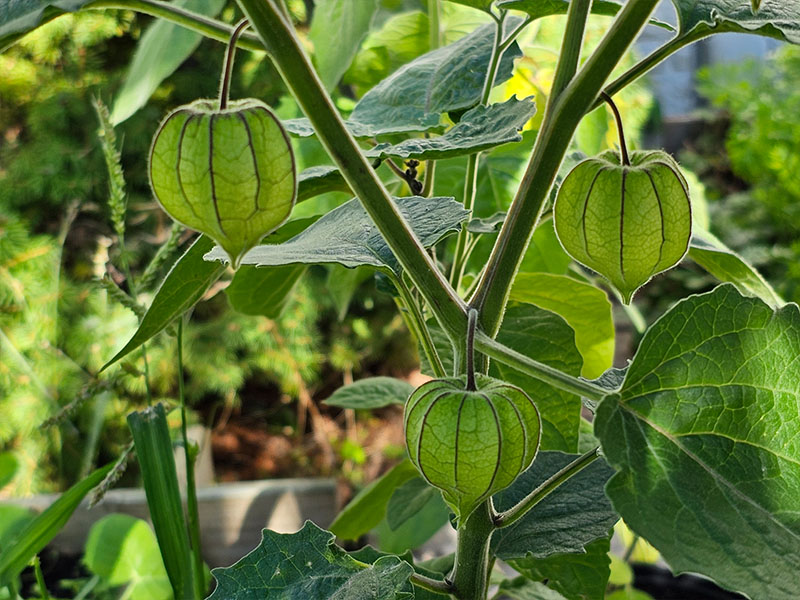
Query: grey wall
x=673 y=80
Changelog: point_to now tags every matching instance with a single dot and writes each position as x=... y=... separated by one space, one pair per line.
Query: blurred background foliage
x=59 y=322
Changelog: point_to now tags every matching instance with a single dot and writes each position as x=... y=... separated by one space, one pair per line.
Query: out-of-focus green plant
x=754 y=187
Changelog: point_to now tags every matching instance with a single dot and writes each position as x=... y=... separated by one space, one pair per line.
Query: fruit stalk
x=623 y=148
x=227 y=71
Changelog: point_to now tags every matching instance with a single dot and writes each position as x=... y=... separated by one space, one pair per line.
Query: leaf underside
x=347 y=236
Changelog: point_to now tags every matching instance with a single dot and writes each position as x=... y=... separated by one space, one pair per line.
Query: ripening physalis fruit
x=627 y=222
x=228 y=173
x=471 y=444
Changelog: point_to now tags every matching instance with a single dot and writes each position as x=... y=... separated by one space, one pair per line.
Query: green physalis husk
x=626 y=222
x=228 y=173
x=471 y=444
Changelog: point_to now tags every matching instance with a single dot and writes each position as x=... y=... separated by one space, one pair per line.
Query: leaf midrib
x=714 y=475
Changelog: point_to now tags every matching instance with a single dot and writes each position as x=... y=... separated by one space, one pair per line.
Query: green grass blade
x=154 y=449
x=38 y=533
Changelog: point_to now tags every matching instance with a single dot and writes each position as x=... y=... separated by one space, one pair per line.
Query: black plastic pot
x=661 y=584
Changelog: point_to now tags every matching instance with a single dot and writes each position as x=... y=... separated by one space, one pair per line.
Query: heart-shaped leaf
x=704 y=434
x=307 y=564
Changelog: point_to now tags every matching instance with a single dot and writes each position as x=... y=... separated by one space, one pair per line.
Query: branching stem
x=515 y=513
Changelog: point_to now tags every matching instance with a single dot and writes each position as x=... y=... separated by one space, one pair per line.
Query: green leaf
x=337 y=30
x=265 y=291
x=446 y=79
x=537 y=9
x=480 y=128
x=8 y=468
x=342 y=284
x=38 y=532
x=545 y=254
x=520 y=588
x=417 y=530
x=704 y=435
x=156 y=458
x=18 y=17
x=575 y=514
x=584 y=307
x=727 y=266
x=408 y=500
x=628 y=593
x=319 y=180
x=160 y=51
x=546 y=337
x=372 y=392
x=184 y=285
x=778 y=19
x=577 y=576
x=123 y=550
x=491 y=224
x=347 y=236
x=483 y=5
x=367 y=509
x=12 y=519
x=369 y=554
x=307 y=564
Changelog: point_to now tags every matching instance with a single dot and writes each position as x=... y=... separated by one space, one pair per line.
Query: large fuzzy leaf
x=480 y=128
x=577 y=576
x=774 y=18
x=18 y=17
x=446 y=79
x=347 y=236
x=575 y=514
x=705 y=434
x=307 y=564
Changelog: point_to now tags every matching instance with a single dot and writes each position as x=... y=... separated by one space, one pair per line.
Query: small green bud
x=627 y=222
x=228 y=173
x=471 y=444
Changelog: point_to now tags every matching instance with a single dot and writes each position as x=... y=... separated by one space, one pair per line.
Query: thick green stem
x=459 y=254
x=280 y=41
x=434 y=27
x=571 y=46
x=416 y=322
x=471 y=179
x=471 y=572
x=211 y=28
x=433 y=585
x=516 y=512
x=653 y=59
x=550 y=375
x=491 y=295
x=198 y=568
